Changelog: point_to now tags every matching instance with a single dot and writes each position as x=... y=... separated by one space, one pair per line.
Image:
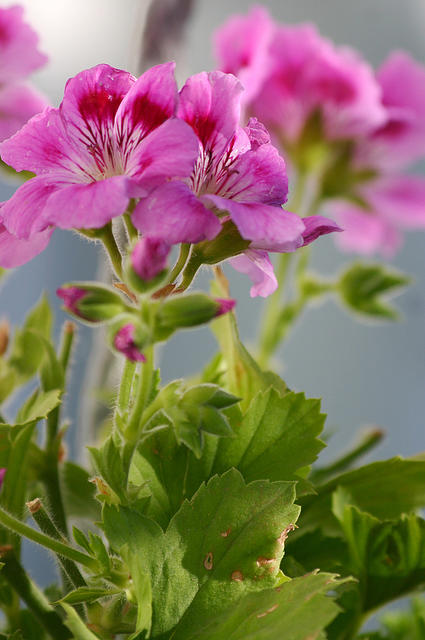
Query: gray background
x=365 y=374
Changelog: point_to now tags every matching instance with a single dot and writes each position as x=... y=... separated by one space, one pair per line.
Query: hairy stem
x=112 y=249
x=42 y=539
x=32 y=596
x=142 y=394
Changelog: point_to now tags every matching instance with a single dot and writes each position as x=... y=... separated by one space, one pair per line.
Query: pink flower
x=16 y=251
x=149 y=257
x=393 y=202
x=296 y=72
x=239 y=175
x=19 y=54
x=125 y=344
x=112 y=138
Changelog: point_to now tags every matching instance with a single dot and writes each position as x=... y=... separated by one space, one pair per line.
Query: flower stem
x=110 y=244
x=48 y=527
x=32 y=596
x=141 y=397
x=181 y=262
x=56 y=546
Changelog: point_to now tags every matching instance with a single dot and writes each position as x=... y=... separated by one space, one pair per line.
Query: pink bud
x=2 y=474
x=125 y=344
x=149 y=257
x=225 y=305
x=70 y=297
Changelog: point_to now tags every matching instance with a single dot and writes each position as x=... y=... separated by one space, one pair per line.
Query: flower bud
x=91 y=302
x=2 y=475
x=129 y=336
x=147 y=265
x=191 y=310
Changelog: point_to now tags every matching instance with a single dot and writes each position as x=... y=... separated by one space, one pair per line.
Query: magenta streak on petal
x=124 y=343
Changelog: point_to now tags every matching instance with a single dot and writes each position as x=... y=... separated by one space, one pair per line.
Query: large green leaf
x=224 y=544
x=296 y=610
x=384 y=489
x=276 y=438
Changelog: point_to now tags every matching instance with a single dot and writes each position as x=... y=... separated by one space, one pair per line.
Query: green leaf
x=28 y=351
x=384 y=489
x=88 y=594
x=108 y=462
x=296 y=610
x=365 y=288
x=76 y=625
x=38 y=406
x=276 y=438
x=13 y=493
x=78 y=492
x=227 y=542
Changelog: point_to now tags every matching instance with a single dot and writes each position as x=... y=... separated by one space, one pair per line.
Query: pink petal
x=316 y=226
x=43 y=146
x=22 y=214
x=151 y=101
x=257 y=265
x=269 y=228
x=91 y=101
x=258 y=175
x=18 y=103
x=168 y=151
x=173 y=213
x=210 y=103
x=85 y=206
x=241 y=47
x=15 y=251
x=364 y=232
x=399 y=199
x=18 y=43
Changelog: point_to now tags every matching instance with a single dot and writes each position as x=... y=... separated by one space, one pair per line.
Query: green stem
x=272 y=311
x=190 y=271
x=110 y=244
x=180 y=264
x=68 y=335
x=141 y=397
x=48 y=527
x=56 y=546
x=32 y=596
x=132 y=233
x=124 y=394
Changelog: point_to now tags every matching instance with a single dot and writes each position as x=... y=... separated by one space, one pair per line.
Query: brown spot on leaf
x=208 y=561
x=237 y=576
x=284 y=535
x=224 y=534
x=266 y=613
x=265 y=562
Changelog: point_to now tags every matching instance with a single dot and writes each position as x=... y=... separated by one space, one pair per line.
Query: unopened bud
x=2 y=475
x=129 y=336
x=147 y=265
x=91 y=302
x=4 y=337
x=191 y=310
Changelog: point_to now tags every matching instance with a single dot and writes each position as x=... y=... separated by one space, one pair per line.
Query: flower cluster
x=180 y=159
x=324 y=104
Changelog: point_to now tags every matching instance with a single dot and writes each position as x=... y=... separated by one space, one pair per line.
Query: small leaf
x=365 y=288
x=88 y=594
x=38 y=406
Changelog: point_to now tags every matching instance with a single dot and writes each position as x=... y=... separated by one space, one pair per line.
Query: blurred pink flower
x=125 y=344
x=291 y=72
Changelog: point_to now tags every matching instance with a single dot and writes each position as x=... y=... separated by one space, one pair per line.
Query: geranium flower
x=293 y=72
x=19 y=56
x=239 y=175
x=111 y=139
x=393 y=201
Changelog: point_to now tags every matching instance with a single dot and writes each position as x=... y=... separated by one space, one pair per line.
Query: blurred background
x=366 y=374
